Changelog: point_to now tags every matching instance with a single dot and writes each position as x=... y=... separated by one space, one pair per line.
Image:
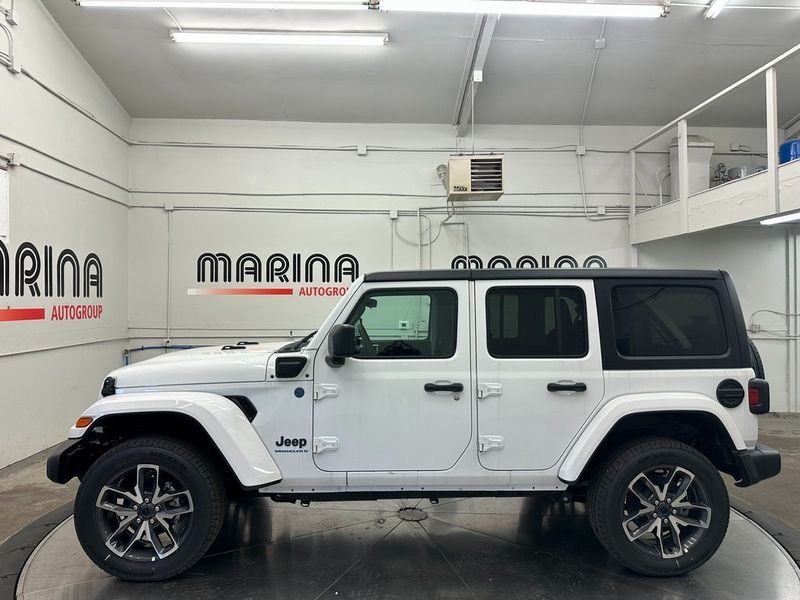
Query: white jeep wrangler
x=629 y=389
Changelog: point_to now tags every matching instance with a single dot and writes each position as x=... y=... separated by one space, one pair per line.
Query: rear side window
x=653 y=321
x=536 y=322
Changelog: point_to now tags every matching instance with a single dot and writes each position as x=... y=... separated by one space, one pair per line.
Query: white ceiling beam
x=479 y=48
x=467 y=72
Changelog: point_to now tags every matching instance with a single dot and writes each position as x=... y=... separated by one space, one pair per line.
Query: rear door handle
x=566 y=387
x=444 y=387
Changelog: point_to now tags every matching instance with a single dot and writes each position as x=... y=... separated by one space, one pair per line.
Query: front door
x=403 y=403
x=539 y=369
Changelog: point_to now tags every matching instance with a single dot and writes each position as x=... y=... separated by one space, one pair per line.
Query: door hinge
x=325 y=390
x=487 y=442
x=321 y=444
x=489 y=389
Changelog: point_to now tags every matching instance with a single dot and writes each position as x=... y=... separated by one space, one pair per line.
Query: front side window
x=536 y=322
x=406 y=323
x=668 y=321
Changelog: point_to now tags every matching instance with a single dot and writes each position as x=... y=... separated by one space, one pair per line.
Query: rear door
x=539 y=369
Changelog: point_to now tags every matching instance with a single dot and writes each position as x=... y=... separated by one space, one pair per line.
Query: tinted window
x=406 y=323
x=536 y=322
x=668 y=321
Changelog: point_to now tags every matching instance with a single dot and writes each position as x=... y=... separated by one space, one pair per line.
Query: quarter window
x=406 y=323
x=668 y=321
x=536 y=322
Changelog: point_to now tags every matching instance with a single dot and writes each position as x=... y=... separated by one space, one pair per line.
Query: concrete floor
x=26 y=494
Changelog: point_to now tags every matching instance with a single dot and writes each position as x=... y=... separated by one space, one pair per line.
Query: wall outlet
x=402 y=325
x=601 y=210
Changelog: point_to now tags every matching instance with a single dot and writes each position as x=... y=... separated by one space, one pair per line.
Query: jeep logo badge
x=286 y=444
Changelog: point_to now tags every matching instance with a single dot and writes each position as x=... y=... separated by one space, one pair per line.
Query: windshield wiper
x=298 y=345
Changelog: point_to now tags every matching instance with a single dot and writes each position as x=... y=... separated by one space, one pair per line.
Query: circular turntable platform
x=459 y=548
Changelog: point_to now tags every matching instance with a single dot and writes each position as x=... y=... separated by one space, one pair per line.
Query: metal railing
x=681 y=122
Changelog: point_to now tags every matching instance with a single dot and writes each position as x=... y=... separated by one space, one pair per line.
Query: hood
x=206 y=365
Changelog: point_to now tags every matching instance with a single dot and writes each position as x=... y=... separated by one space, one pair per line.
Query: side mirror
x=341 y=344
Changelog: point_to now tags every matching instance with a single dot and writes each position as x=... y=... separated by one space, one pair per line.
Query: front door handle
x=571 y=386
x=444 y=387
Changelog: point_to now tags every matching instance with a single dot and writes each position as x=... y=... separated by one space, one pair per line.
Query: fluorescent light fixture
x=713 y=10
x=525 y=7
x=790 y=218
x=285 y=38
x=240 y=4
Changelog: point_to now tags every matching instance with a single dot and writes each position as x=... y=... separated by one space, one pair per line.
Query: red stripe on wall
x=240 y=291
x=21 y=314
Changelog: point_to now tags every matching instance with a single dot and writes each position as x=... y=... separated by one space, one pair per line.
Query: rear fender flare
x=602 y=422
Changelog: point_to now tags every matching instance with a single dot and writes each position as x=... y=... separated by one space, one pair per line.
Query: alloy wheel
x=665 y=511
x=144 y=513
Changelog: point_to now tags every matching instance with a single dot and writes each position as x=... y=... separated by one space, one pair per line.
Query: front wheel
x=659 y=507
x=148 y=509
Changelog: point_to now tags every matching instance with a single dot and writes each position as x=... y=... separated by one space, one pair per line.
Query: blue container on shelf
x=789 y=151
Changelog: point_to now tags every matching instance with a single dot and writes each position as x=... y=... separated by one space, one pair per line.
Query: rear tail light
x=758 y=396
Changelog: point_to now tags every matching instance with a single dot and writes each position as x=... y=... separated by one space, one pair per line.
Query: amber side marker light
x=83 y=422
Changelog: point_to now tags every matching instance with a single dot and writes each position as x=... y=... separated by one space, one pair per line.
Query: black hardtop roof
x=499 y=274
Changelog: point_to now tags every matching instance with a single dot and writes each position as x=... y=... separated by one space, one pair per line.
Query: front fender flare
x=604 y=420
x=223 y=421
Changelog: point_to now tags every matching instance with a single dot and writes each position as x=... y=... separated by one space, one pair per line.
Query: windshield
x=298 y=344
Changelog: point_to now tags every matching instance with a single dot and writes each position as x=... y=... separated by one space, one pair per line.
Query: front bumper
x=62 y=462
x=762 y=462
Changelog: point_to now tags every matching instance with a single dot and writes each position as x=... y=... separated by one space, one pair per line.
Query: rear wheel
x=659 y=507
x=148 y=509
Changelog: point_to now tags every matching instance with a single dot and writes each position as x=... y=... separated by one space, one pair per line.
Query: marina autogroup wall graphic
x=43 y=282
x=277 y=274
x=274 y=274
x=528 y=261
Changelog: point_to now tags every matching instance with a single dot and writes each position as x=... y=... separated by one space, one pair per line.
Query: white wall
x=255 y=195
x=50 y=370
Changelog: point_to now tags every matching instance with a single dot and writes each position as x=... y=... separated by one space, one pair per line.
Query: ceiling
x=536 y=72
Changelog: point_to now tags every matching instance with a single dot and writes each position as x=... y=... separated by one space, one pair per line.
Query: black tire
x=176 y=460
x=755 y=359
x=609 y=492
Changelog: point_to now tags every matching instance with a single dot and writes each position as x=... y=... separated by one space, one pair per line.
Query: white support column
x=683 y=173
x=773 y=133
x=793 y=369
x=633 y=254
